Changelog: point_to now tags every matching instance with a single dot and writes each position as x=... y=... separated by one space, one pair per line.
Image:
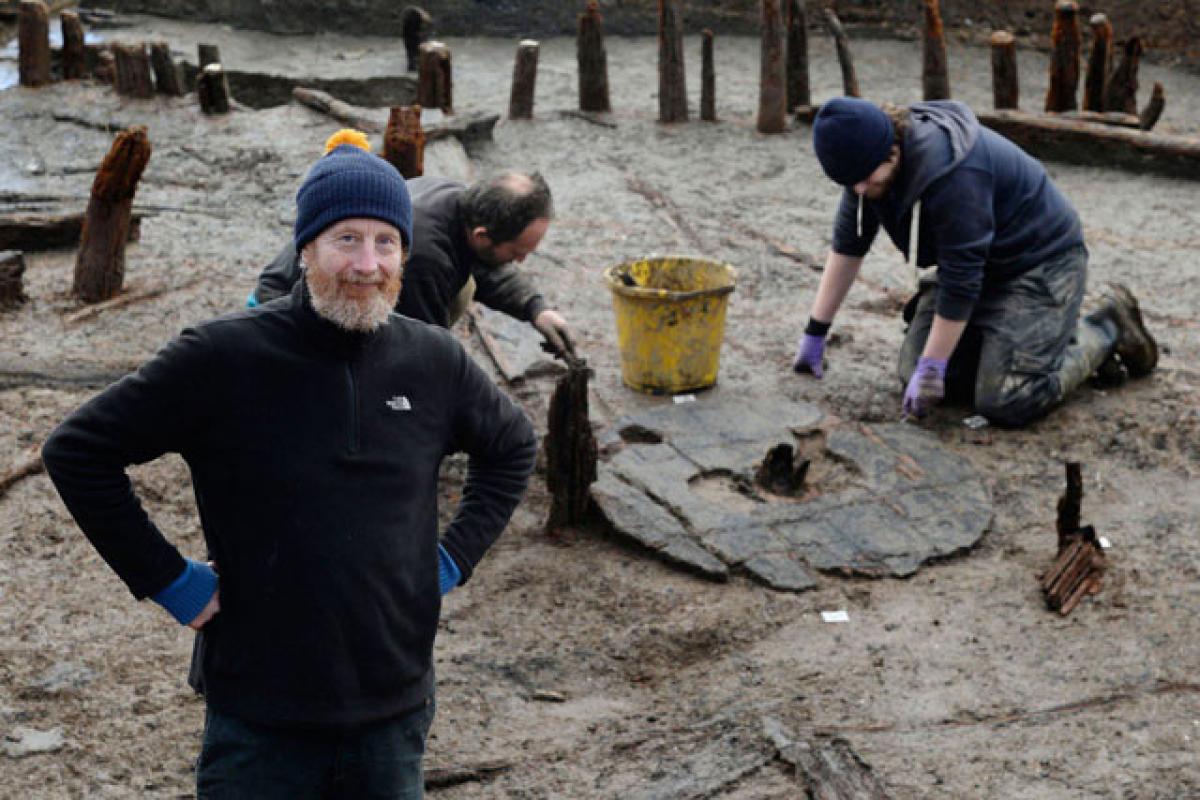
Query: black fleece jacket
x=314 y=458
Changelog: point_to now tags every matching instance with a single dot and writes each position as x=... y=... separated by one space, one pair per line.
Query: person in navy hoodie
x=313 y=428
x=998 y=323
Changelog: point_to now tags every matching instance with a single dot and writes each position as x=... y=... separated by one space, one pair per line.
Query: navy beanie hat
x=349 y=182
x=852 y=137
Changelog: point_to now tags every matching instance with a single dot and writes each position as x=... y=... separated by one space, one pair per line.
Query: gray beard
x=351 y=314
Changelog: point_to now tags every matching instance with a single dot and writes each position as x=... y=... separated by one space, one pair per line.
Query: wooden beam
x=1066 y=42
x=708 y=78
x=845 y=57
x=1095 y=83
x=798 y=93
x=1006 y=90
x=33 y=43
x=524 y=81
x=935 y=75
x=672 y=85
x=341 y=111
x=593 y=61
x=404 y=141
x=772 y=89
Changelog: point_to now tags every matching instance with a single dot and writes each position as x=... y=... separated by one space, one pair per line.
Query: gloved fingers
x=568 y=342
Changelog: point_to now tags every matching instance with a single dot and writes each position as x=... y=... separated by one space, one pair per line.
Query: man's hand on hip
x=558 y=334
x=208 y=612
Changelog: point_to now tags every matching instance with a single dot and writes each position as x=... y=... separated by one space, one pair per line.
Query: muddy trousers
x=1024 y=348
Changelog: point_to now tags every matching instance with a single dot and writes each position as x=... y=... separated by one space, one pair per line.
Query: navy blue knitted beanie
x=852 y=137
x=349 y=182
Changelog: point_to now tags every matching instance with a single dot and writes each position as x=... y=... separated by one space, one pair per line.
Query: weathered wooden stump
x=414 y=29
x=207 y=54
x=74 y=54
x=1006 y=90
x=212 y=90
x=1080 y=564
x=404 y=141
x=1123 y=83
x=798 y=92
x=570 y=449
x=845 y=57
x=33 y=43
x=12 y=286
x=1153 y=110
x=100 y=265
x=935 y=75
x=435 y=78
x=167 y=79
x=772 y=78
x=105 y=70
x=672 y=85
x=1099 y=64
x=593 y=61
x=1066 y=43
x=524 y=82
x=133 y=71
x=708 y=78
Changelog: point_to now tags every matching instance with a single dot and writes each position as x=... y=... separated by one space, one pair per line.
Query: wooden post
x=1066 y=43
x=74 y=55
x=1099 y=63
x=414 y=26
x=435 y=82
x=33 y=35
x=1070 y=505
x=708 y=78
x=520 y=100
x=100 y=265
x=166 y=72
x=849 y=78
x=772 y=90
x=207 y=54
x=106 y=67
x=593 y=61
x=1123 y=84
x=570 y=450
x=672 y=86
x=1153 y=109
x=798 y=92
x=12 y=286
x=133 y=71
x=935 y=76
x=1006 y=89
x=404 y=141
x=212 y=90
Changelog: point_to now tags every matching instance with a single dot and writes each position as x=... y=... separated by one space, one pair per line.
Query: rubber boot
x=1094 y=343
x=1135 y=346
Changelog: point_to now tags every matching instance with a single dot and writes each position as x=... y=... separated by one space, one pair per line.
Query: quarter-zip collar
x=324 y=334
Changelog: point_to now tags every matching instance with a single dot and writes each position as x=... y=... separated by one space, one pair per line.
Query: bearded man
x=313 y=428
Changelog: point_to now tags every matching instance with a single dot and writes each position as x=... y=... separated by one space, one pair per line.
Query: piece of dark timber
x=100 y=265
x=1153 y=110
x=435 y=81
x=708 y=78
x=414 y=27
x=845 y=58
x=772 y=76
x=1006 y=90
x=1123 y=83
x=935 y=75
x=212 y=89
x=672 y=85
x=593 y=61
x=1066 y=42
x=105 y=70
x=133 y=71
x=128 y=298
x=167 y=79
x=74 y=55
x=1099 y=63
x=339 y=110
x=524 y=80
x=31 y=464
x=798 y=92
x=1118 y=118
x=829 y=769
x=12 y=283
x=207 y=54
x=38 y=231
x=404 y=141
x=441 y=776
x=33 y=43
x=1070 y=504
x=570 y=449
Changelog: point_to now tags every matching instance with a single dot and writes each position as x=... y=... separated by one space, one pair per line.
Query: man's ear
x=479 y=232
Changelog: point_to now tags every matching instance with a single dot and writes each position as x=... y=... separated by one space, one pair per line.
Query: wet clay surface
x=954 y=683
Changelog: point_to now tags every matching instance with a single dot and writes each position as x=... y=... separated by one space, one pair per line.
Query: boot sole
x=1135 y=345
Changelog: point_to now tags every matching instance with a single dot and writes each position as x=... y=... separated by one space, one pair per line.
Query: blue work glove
x=448 y=572
x=188 y=594
x=926 y=387
x=251 y=301
x=810 y=356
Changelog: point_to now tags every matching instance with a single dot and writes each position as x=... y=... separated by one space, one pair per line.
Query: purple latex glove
x=926 y=387
x=810 y=356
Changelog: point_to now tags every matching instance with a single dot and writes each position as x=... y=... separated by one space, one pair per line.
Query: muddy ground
x=956 y=683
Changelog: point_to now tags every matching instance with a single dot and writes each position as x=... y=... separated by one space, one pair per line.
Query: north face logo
x=399 y=403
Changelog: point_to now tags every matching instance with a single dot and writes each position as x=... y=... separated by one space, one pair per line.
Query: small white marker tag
x=684 y=398
x=1105 y=543
x=835 y=616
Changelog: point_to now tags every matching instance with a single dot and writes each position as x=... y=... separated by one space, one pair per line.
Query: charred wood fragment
x=524 y=81
x=593 y=61
x=798 y=92
x=1070 y=504
x=37 y=231
x=12 y=281
x=212 y=90
x=1123 y=84
x=845 y=57
x=1095 y=83
x=1006 y=90
x=74 y=54
x=1080 y=563
x=1066 y=43
x=207 y=54
x=414 y=29
x=935 y=75
x=404 y=141
x=570 y=449
x=1153 y=110
x=672 y=86
x=33 y=43
x=708 y=78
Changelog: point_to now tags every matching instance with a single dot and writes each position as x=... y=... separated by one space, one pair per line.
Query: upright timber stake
x=33 y=35
x=708 y=78
x=435 y=78
x=772 y=90
x=798 y=92
x=849 y=78
x=212 y=89
x=74 y=55
x=520 y=100
x=414 y=27
x=1080 y=564
x=935 y=77
x=1154 y=109
x=570 y=449
x=1066 y=42
x=166 y=72
x=1005 y=86
x=1099 y=63
x=12 y=288
x=593 y=61
x=100 y=265
x=1123 y=85
x=133 y=71
x=404 y=141
x=672 y=87
x=207 y=54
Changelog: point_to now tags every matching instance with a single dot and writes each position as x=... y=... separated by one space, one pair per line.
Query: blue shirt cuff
x=251 y=301
x=188 y=594
x=448 y=572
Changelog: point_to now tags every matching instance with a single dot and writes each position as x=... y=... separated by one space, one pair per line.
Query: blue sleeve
x=846 y=238
x=188 y=594
x=959 y=209
x=449 y=575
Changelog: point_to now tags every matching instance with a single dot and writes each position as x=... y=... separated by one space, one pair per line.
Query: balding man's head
x=506 y=204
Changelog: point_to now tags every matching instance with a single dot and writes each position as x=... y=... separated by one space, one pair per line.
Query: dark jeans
x=1024 y=346
x=241 y=760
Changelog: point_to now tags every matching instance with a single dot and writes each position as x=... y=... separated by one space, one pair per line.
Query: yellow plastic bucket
x=670 y=315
